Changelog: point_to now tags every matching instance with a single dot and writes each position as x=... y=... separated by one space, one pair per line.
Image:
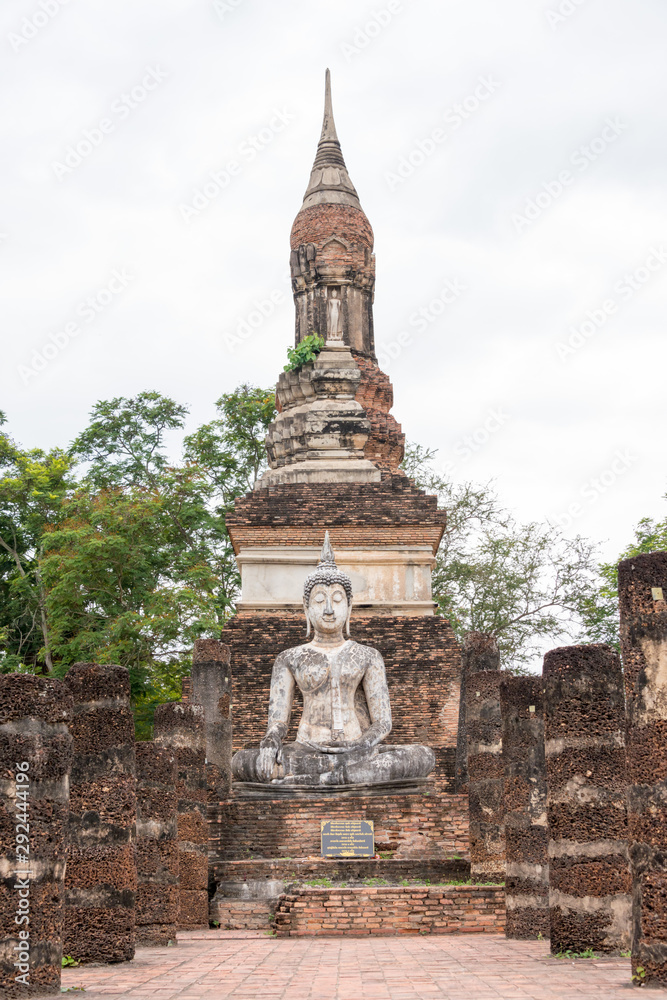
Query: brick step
x=341 y=869
x=243 y=915
x=392 y=910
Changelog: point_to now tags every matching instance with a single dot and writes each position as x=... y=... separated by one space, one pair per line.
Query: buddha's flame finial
x=327 y=573
x=327 y=557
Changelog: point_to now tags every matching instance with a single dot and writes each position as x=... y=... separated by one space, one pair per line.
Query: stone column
x=478 y=652
x=485 y=772
x=180 y=727
x=525 y=799
x=642 y=590
x=35 y=759
x=212 y=689
x=589 y=876
x=157 y=845
x=101 y=879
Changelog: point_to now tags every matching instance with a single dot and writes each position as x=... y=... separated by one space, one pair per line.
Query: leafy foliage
x=306 y=350
x=32 y=486
x=132 y=562
x=599 y=611
x=524 y=584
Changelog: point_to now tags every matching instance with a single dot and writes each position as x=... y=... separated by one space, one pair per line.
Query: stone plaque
x=347 y=838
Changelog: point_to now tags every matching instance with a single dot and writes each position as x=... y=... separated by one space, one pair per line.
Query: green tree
x=523 y=584
x=140 y=563
x=230 y=449
x=32 y=485
x=599 y=611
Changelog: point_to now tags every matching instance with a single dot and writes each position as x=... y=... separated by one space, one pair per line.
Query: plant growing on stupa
x=304 y=352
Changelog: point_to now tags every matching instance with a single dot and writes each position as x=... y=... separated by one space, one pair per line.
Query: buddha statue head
x=327 y=596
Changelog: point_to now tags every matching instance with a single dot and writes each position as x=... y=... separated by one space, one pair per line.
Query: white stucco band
x=391 y=580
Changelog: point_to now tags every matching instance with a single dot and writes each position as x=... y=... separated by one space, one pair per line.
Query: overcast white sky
x=541 y=202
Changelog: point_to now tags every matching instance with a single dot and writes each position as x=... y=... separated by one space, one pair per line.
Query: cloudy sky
x=510 y=157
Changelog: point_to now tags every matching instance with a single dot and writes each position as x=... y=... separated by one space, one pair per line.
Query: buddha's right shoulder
x=288 y=657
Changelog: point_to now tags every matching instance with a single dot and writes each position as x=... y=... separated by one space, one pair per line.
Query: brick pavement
x=247 y=965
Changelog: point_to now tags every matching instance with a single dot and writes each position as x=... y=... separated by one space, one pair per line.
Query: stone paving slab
x=244 y=965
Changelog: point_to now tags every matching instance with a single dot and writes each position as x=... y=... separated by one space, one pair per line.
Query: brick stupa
x=334 y=455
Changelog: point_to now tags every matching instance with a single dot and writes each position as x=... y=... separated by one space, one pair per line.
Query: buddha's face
x=327 y=608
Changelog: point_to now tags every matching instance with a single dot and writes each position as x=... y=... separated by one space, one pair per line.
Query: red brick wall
x=448 y=909
x=345 y=536
x=414 y=826
x=242 y=915
x=386 y=443
x=423 y=664
x=391 y=512
x=320 y=223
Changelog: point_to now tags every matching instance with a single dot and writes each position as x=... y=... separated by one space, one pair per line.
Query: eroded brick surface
x=525 y=798
x=642 y=587
x=34 y=717
x=157 y=845
x=485 y=776
x=179 y=728
x=588 y=859
x=101 y=860
x=386 y=443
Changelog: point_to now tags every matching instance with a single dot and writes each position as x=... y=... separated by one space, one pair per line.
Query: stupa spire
x=329 y=180
x=328 y=124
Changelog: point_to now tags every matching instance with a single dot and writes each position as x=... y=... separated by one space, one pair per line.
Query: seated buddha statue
x=346 y=712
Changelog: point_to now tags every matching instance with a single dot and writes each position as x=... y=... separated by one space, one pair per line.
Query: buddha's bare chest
x=316 y=672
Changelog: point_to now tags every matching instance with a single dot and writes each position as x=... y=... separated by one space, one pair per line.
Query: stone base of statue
x=259 y=790
x=304 y=767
